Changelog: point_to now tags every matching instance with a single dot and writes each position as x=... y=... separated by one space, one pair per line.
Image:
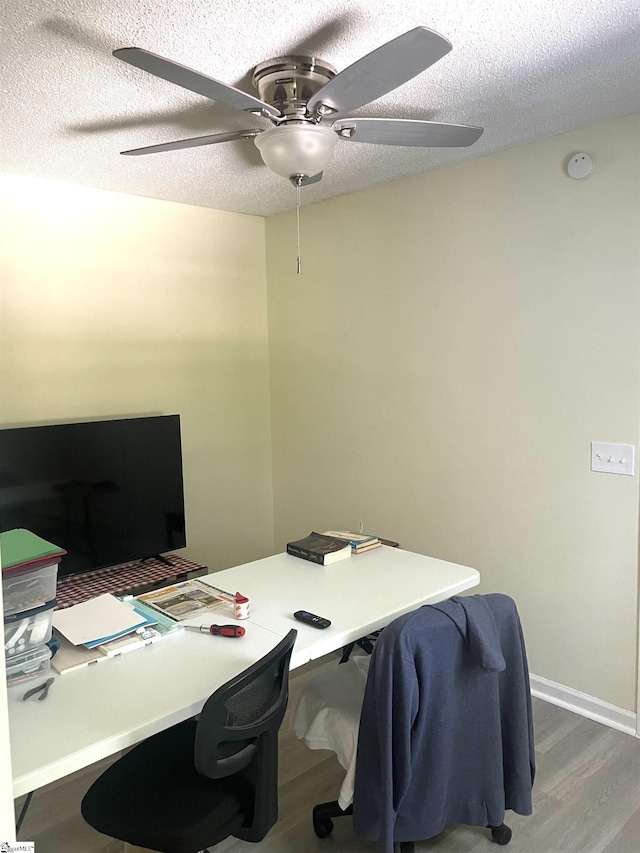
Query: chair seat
x=154 y=797
x=325 y=713
x=193 y=785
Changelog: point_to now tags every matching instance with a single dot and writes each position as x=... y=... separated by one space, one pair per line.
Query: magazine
x=184 y=600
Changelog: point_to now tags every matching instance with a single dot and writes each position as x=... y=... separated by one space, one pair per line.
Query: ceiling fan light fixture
x=299 y=149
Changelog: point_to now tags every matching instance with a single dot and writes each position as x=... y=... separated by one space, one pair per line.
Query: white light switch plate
x=613 y=458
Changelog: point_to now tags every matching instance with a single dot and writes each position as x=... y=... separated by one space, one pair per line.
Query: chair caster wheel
x=501 y=834
x=323 y=827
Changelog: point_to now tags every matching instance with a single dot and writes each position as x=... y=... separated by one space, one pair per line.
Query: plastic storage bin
x=28 y=587
x=28 y=629
x=27 y=670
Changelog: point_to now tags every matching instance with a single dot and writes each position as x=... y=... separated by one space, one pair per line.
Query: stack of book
x=104 y=627
x=108 y=625
x=360 y=542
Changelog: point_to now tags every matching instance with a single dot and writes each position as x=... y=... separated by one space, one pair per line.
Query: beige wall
x=438 y=372
x=112 y=305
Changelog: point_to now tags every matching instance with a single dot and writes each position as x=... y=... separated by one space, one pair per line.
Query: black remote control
x=311 y=619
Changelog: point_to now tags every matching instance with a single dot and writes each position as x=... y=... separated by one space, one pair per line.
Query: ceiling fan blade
x=212 y=139
x=380 y=71
x=409 y=132
x=193 y=80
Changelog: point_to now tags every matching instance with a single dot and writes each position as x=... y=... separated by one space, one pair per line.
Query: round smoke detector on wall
x=580 y=166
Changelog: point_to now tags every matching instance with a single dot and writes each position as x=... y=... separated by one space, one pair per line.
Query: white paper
x=99 y=617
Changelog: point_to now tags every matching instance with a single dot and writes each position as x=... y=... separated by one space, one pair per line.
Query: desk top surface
x=98 y=710
x=359 y=595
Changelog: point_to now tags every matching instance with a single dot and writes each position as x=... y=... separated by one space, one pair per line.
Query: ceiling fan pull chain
x=299 y=258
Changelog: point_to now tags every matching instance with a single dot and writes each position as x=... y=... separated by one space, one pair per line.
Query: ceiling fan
x=306 y=99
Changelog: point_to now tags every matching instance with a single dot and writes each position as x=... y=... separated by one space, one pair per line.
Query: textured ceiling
x=522 y=69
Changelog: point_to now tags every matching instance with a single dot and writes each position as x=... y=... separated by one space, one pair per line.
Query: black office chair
x=193 y=785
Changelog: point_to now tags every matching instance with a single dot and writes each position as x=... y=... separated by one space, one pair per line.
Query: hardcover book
x=321 y=549
x=359 y=541
x=362 y=549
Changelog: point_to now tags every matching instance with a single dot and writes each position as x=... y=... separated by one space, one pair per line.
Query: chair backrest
x=237 y=733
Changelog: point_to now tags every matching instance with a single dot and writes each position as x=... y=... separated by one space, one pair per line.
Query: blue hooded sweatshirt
x=446 y=733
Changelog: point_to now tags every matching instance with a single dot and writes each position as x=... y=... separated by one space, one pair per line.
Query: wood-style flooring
x=586 y=799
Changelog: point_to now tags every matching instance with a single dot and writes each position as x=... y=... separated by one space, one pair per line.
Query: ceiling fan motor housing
x=289 y=82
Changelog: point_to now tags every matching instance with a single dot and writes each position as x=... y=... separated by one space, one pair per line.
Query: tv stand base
x=160 y=558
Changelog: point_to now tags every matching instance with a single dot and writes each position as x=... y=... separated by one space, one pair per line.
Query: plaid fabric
x=118 y=580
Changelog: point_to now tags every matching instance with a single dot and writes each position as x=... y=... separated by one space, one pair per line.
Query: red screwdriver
x=221 y=630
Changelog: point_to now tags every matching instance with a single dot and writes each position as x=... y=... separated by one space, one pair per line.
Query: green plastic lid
x=20 y=546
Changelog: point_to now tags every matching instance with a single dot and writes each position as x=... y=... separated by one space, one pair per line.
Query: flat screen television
x=108 y=492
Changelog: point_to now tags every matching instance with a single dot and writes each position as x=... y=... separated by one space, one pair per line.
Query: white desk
x=101 y=709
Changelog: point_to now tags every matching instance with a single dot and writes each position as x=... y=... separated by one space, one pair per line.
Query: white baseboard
x=583 y=704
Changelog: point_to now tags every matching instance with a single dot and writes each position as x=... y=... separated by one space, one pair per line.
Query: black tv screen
x=108 y=492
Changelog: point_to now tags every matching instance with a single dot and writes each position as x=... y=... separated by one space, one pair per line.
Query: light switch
x=612 y=458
